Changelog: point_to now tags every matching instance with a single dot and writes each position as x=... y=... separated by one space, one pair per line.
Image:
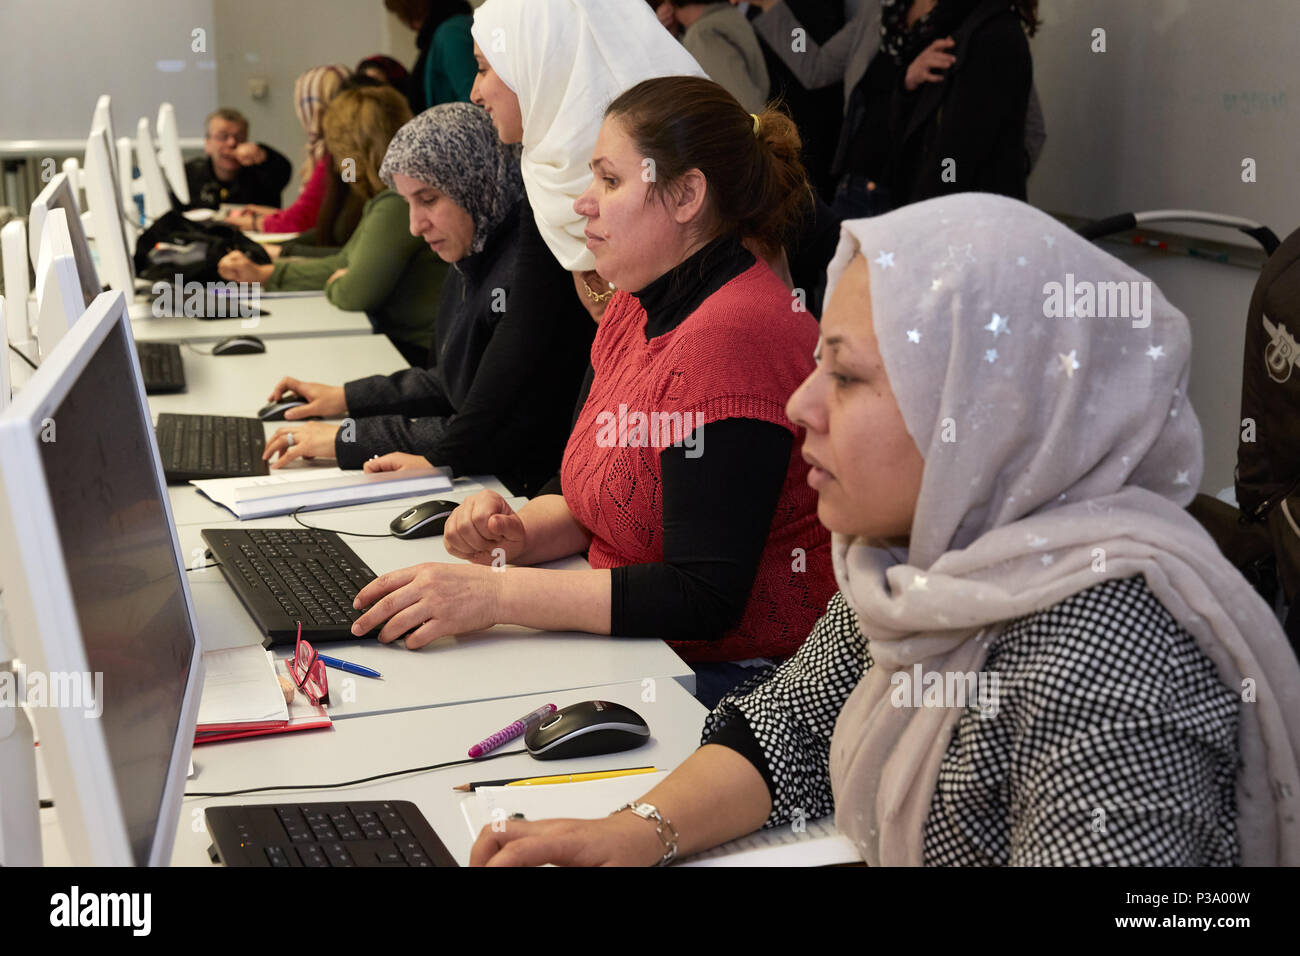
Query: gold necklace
x=596 y=296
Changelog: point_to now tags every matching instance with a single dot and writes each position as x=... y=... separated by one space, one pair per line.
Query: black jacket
x=975 y=116
x=512 y=342
x=260 y=185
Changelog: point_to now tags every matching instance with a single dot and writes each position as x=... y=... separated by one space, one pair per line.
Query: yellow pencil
x=557 y=778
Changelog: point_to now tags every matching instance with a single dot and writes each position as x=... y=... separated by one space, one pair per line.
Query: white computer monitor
x=169 y=153
x=94 y=583
x=103 y=117
x=157 y=200
x=115 y=264
x=59 y=302
x=4 y=365
x=60 y=194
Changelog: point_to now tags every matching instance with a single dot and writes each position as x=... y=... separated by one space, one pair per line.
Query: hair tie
x=755 y=115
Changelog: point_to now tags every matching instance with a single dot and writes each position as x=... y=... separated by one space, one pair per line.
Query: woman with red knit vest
x=682 y=479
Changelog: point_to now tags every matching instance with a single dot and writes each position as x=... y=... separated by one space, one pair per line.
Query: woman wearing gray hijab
x=510 y=346
x=1036 y=655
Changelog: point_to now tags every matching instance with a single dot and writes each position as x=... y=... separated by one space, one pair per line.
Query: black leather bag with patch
x=1268 y=452
x=174 y=245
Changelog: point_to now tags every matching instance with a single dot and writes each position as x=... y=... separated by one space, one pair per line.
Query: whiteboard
x=58 y=56
x=1186 y=90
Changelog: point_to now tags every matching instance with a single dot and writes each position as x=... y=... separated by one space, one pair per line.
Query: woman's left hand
x=237 y=267
x=431 y=601
x=310 y=440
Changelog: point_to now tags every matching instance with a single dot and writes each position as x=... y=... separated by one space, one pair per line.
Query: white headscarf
x=1044 y=440
x=567 y=60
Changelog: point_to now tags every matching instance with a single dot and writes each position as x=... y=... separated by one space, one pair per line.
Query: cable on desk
x=201 y=567
x=198 y=351
x=355 y=534
x=353 y=783
x=18 y=352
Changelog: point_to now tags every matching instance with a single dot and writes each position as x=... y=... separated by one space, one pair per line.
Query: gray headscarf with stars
x=1059 y=452
x=455 y=149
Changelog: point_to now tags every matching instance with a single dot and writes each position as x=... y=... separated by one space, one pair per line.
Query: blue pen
x=348 y=666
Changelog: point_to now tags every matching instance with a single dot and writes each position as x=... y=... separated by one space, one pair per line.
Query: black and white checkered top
x=1113 y=741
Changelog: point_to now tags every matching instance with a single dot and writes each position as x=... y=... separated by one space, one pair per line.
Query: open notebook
x=817 y=844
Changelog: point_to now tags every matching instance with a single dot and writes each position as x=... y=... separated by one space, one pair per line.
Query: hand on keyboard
x=431 y=601
x=310 y=440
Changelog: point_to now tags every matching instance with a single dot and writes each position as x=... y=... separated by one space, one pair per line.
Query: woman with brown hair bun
x=711 y=545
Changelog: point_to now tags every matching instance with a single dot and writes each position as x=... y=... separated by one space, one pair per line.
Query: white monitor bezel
x=58 y=194
x=110 y=237
x=170 y=156
x=46 y=632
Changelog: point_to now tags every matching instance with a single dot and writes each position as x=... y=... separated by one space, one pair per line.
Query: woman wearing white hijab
x=565 y=61
x=1005 y=489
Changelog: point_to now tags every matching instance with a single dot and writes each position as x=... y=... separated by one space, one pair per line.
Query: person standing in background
x=444 y=71
x=724 y=44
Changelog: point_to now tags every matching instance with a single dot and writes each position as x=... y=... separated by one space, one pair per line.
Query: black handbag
x=174 y=245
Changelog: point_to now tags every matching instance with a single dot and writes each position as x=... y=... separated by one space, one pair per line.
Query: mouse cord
x=353 y=783
x=189 y=345
x=18 y=352
x=355 y=534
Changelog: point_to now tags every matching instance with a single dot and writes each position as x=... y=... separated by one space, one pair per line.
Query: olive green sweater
x=393 y=276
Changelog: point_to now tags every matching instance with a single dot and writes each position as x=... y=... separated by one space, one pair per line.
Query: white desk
x=500 y=662
x=291 y=317
x=360 y=748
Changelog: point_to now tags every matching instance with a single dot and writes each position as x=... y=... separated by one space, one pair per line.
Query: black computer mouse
x=424 y=520
x=587 y=729
x=239 y=345
x=274 y=411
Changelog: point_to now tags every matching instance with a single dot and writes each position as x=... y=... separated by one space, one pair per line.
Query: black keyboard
x=161 y=367
x=362 y=833
x=210 y=446
x=284 y=576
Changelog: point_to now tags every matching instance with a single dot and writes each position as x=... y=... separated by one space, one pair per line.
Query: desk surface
x=353 y=749
x=291 y=317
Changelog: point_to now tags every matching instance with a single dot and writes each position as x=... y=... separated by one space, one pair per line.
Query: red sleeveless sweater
x=741 y=354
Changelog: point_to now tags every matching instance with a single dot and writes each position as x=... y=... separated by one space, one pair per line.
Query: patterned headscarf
x=1049 y=435
x=312 y=92
x=455 y=149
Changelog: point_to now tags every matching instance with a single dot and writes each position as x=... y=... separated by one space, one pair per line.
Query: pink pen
x=520 y=726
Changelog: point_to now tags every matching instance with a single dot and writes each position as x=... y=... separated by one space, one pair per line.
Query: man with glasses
x=235 y=170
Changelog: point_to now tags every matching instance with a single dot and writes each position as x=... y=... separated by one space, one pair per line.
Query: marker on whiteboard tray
x=1207 y=254
x=1153 y=243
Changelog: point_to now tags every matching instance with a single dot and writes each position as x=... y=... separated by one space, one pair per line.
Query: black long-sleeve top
x=259 y=185
x=511 y=345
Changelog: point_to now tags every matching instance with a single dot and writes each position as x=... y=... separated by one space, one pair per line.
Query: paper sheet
x=309 y=487
x=239 y=687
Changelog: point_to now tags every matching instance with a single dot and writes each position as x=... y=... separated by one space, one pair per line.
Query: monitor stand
x=20 y=821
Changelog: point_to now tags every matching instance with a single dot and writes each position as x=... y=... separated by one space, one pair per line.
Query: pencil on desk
x=555 y=778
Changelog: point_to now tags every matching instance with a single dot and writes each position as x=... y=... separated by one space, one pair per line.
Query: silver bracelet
x=665 y=830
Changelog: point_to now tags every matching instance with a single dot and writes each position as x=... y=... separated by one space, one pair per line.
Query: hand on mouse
x=236 y=267
x=430 y=600
x=310 y=440
x=482 y=524
x=623 y=839
x=323 y=401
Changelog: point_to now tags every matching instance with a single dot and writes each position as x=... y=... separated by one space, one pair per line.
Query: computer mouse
x=239 y=345
x=274 y=411
x=587 y=729
x=425 y=519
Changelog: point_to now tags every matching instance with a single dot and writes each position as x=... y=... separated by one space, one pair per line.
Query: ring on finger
x=289 y=442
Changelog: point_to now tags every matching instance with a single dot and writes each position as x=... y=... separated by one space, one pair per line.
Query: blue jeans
x=853 y=200
x=714 y=681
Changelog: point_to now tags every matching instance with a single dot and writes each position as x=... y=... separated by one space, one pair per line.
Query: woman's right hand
x=273 y=250
x=484 y=529
x=623 y=839
x=323 y=401
x=929 y=65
